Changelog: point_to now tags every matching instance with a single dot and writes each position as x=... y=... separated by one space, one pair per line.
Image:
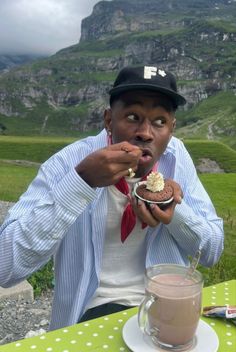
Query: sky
x=41 y=27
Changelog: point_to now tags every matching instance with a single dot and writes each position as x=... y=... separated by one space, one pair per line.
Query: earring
x=109 y=133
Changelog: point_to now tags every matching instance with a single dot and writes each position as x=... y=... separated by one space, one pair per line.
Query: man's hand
x=108 y=165
x=152 y=214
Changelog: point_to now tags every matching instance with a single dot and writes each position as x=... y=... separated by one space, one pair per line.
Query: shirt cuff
x=73 y=193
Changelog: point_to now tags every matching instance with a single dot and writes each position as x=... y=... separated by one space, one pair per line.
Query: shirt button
x=55 y=236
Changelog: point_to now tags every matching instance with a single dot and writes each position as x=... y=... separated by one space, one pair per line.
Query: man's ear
x=107 y=119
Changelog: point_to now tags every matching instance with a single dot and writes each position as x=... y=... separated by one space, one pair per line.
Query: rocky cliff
x=67 y=92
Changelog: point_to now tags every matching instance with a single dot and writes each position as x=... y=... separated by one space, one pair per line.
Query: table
x=105 y=333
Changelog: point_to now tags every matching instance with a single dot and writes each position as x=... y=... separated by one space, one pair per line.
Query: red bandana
x=128 y=218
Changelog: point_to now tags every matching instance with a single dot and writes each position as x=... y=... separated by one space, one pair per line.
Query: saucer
x=206 y=338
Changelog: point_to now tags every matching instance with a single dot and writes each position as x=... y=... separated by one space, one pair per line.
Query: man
x=80 y=203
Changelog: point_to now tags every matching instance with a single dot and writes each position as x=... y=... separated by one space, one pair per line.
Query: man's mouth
x=146 y=156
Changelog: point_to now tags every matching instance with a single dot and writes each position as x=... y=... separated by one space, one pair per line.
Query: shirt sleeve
x=195 y=224
x=38 y=222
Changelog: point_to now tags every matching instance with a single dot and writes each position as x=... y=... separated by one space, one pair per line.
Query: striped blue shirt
x=60 y=215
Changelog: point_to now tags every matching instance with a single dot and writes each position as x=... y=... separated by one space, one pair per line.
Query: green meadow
x=16 y=176
x=36 y=149
x=222 y=190
x=14 y=180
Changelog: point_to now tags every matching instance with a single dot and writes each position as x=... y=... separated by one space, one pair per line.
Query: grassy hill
x=213 y=119
x=219 y=152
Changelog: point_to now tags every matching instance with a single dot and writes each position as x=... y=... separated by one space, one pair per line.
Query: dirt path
x=20 y=162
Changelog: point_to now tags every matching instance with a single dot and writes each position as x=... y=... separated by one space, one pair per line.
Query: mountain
x=66 y=93
x=8 y=61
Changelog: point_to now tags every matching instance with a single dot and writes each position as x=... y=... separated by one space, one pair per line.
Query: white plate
x=207 y=340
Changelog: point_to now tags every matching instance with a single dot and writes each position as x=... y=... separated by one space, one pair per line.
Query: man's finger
x=163 y=215
x=142 y=212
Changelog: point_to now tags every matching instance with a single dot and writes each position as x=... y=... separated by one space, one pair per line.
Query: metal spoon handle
x=194 y=263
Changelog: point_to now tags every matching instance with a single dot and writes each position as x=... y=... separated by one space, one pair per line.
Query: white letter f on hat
x=149 y=71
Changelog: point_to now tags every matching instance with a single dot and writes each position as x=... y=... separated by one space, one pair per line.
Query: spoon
x=193 y=265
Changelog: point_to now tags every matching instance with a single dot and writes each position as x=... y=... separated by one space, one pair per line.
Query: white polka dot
x=115 y=328
x=213 y=297
x=228 y=334
x=227 y=299
x=80 y=332
x=65 y=330
x=105 y=346
x=73 y=342
x=111 y=337
x=120 y=320
x=226 y=288
x=18 y=344
x=89 y=344
x=95 y=334
x=213 y=303
x=228 y=326
x=58 y=339
x=229 y=343
x=122 y=349
x=101 y=326
x=65 y=351
x=214 y=287
x=43 y=337
x=33 y=347
x=213 y=324
x=49 y=349
x=124 y=313
x=106 y=318
x=226 y=293
x=226 y=283
x=86 y=324
x=213 y=292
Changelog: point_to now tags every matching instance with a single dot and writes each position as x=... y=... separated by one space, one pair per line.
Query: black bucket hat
x=147 y=78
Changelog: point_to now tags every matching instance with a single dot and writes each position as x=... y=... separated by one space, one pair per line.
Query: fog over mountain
x=41 y=27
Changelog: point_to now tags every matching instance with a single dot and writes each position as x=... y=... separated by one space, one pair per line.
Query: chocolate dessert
x=155 y=189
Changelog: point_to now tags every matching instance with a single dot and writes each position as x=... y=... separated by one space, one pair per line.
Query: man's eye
x=132 y=117
x=159 y=122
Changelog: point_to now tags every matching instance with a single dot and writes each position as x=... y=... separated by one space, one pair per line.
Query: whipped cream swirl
x=155 y=182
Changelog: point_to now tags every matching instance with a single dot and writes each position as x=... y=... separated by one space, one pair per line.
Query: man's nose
x=144 y=131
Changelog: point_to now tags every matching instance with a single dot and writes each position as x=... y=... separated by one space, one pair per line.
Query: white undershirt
x=123 y=264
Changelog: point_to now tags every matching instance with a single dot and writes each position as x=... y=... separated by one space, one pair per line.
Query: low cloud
x=41 y=27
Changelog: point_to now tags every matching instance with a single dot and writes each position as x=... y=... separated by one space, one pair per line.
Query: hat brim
x=177 y=98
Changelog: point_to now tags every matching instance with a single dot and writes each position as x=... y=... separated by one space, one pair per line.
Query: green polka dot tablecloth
x=105 y=333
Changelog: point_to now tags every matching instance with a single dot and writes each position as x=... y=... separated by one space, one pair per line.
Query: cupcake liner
x=149 y=201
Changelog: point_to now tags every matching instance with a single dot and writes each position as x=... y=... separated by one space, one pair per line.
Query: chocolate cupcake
x=155 y=190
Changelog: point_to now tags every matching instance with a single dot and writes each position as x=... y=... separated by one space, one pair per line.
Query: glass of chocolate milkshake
x=170 y=311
